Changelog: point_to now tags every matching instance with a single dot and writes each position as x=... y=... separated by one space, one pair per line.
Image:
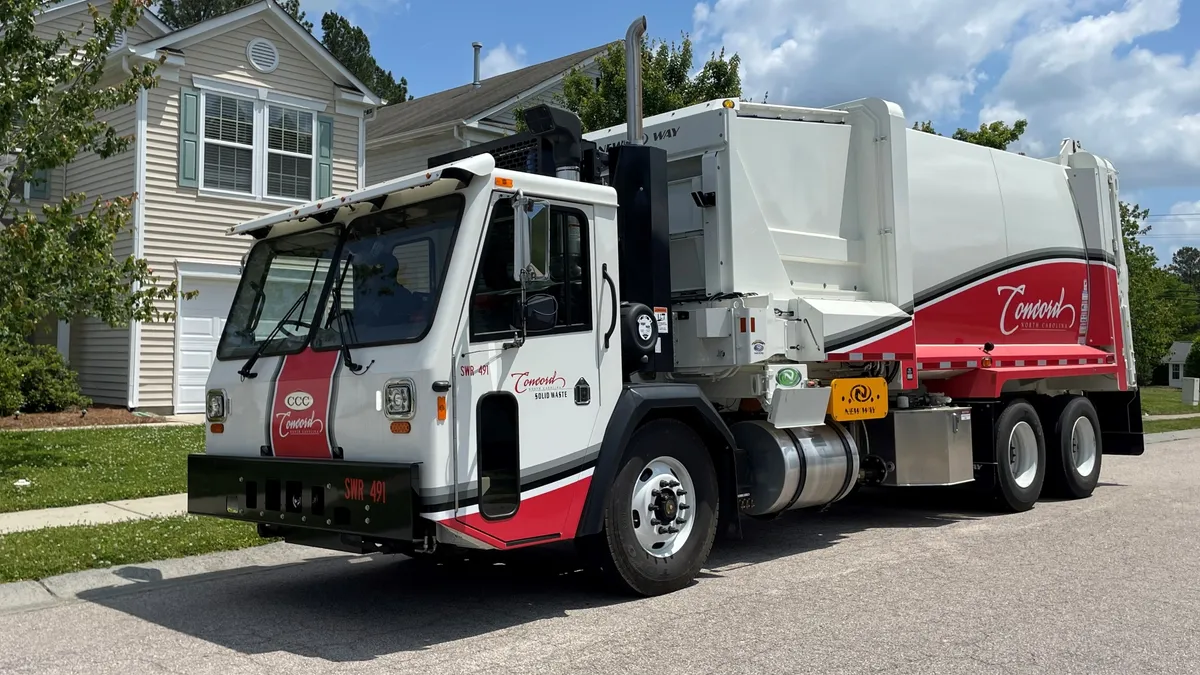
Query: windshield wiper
x=339 y=314
x=245 y=371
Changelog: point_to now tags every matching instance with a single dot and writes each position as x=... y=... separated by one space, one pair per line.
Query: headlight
x=214 y=407
x=398 y=399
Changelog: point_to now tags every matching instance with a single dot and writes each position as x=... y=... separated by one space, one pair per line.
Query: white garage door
x=201 y=321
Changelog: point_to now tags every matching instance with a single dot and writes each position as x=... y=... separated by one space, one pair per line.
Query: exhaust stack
x=477 y=46
x=633 y=79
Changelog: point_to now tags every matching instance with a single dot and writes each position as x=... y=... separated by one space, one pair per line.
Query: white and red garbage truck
x=636 y=337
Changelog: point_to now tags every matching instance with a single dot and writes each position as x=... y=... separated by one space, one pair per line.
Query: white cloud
x=1179 y=227
x=500 y=59
x=924 y=54
x=1073 y=68
x=1140 y=108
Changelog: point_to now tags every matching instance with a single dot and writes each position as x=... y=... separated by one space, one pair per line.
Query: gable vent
x=263 y=55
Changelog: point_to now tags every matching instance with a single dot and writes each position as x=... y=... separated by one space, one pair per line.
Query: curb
x=1168 y=436
x=104 y=426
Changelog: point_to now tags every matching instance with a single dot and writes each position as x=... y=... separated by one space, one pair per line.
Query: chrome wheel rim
x=661 y=507
x=1022 y=455
x=1083 y=446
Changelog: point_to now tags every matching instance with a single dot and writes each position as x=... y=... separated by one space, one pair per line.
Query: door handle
x=612 y=326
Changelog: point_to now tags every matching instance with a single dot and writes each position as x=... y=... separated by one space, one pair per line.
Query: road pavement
x=905 y=582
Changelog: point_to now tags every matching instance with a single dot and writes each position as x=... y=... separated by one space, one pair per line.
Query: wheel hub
x=660 y=507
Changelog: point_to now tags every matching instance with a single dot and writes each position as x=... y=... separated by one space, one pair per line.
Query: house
x=251 y=114
x=402 y=137
x=1174 y=361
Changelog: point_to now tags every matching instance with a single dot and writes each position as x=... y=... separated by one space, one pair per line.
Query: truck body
x=634 y=338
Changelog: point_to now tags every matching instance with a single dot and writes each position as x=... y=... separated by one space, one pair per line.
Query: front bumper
x=371 y=500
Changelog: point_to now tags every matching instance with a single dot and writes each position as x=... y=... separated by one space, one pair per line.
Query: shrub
x=10 y=386
x=1191 y=367
x=46 y=384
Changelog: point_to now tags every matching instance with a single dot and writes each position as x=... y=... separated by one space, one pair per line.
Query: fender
x=639 y=402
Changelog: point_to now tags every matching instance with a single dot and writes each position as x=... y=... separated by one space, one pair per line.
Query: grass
x=1165 y=401
x=86 y=466
x=59 y=550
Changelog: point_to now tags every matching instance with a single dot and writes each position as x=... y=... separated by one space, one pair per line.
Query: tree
x=350 y=45
x=183 y=13
x=998 y=134
x=1158 y=300
x=1185 y=264
x=666 y=86
x=59 y=262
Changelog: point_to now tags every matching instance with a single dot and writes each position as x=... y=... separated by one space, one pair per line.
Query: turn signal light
x=441 y=408
x=401 y=427
x=217 y=428
x=987 y=362
x=504 y=182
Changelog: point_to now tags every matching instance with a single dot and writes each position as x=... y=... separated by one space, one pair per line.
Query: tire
x=621 y=555
x=1073 y=451
x=1018 y=487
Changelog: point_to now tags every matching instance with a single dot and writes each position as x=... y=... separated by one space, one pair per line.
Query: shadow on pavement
x=360 y=608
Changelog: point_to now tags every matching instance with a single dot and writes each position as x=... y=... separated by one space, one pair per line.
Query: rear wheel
x=1074 y=451
x=1020 y=457
x=661 y=512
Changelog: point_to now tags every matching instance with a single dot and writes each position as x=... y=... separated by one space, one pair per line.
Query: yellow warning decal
x=858 y=398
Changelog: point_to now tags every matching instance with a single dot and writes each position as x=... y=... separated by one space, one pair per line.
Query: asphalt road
x=912 y=583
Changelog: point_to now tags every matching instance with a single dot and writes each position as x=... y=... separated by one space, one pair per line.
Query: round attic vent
x=262 y=55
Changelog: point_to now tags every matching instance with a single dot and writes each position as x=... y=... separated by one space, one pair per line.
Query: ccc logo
x=298 y=400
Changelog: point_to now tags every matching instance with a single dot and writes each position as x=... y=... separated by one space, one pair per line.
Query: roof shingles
x=467 y=101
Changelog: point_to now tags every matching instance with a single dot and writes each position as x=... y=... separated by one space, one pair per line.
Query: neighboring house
x=251 y=114
x=401 y=137
x=1174 y=361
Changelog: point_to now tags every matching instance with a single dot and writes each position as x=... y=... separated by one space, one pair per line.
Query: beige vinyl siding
x=78 y=17
x=99 y=353
x=184 y=223
x=405 y=157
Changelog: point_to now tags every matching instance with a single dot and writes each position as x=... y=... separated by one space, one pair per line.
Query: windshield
x=384 y=273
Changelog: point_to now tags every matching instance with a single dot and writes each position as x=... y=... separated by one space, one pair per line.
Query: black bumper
x=377 y=501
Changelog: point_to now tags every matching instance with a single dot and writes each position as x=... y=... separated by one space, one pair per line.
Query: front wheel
x=661 y=512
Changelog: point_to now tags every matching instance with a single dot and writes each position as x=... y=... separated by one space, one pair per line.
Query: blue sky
x=1122 y=76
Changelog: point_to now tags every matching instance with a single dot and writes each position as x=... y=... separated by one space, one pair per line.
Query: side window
x=496 y=296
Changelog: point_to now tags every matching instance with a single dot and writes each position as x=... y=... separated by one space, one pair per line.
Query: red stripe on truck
x=300 y=410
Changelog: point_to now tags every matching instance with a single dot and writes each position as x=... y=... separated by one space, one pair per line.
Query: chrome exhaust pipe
x=633 y=80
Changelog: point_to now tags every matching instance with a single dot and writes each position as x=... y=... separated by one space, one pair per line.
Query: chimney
x=477 y=46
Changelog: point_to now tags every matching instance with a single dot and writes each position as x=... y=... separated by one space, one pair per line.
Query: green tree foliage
x=1191 y=366
x=1185 y=264
x=998 y=134
x=1159 y=302
x=183 y=13
x=666 y=85
x=350 y=45
x=58 y=259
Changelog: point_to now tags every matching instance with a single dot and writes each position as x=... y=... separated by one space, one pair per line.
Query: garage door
x=201 y=321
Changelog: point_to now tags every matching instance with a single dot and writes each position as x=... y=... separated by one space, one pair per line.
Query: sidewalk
x=94 y=514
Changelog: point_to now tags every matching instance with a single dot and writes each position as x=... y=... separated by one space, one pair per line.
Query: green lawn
x=59 y=550
x=85 y=466
x=1164 y=401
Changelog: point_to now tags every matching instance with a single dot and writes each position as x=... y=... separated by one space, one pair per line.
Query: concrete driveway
x=899 y=582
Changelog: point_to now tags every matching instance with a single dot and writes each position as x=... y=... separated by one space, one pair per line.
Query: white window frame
x=261 y=98
x=268 y=151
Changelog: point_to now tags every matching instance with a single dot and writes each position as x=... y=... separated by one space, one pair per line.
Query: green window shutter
x=324 y=156
x=189 y=137
x=39 y=186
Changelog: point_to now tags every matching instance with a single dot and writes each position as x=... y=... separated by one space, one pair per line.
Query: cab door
x=525 y=411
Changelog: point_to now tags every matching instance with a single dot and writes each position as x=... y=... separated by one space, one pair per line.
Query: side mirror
x=541 y=313
x=531 y=239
